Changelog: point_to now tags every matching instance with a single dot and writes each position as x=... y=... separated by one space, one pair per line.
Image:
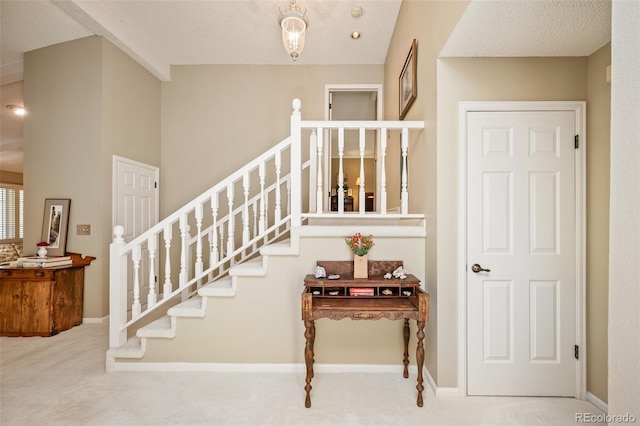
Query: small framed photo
x=54 y=225
x=408 y=85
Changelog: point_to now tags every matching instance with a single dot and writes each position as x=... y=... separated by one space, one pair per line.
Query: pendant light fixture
x=293 y=23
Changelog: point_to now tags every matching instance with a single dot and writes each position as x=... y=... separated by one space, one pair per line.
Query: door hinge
x=577 y=141
x=155 y=185
x=576 y=351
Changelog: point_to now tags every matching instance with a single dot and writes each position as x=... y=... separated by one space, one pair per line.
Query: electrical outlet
x=83 y=230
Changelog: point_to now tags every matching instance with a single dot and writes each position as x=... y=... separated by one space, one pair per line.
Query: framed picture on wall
x=408 y=89
x=54 y=225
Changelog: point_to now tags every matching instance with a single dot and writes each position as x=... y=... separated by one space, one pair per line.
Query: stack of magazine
x=41 y=262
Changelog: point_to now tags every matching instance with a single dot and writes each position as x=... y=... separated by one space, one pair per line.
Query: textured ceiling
x=531 y=28
x=161 y=33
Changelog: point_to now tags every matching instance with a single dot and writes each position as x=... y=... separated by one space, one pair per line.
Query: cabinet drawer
x=26 y=274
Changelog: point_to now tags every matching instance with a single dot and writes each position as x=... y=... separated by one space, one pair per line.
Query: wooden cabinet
x=41 y=301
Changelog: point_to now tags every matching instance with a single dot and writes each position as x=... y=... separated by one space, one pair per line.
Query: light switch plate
x=83 y=230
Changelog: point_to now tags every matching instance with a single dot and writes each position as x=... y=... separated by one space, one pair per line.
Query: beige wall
x=62 y=155
x=86 y=100
x=598 y=156
x=266 y=318
x=488 y=79
x=546 y=79
x=215 y=118
x=431 y=23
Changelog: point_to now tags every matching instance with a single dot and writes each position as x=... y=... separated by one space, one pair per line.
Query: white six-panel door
x=521 y=228
x=136 y=208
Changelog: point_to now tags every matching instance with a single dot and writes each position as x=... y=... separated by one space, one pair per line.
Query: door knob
x=477 y=268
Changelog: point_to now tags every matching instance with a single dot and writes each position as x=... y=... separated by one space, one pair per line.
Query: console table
x=42 y=301
x=364 y=299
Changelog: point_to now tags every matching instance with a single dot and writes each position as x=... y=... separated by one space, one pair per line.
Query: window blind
x=11 y=213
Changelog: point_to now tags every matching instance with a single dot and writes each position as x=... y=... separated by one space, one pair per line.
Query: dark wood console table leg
x=310 y=336
x=420 y=360
x=405 y=360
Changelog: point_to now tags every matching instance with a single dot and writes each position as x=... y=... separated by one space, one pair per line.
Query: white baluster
x=278 y=209
x=245 y=210
x=404 y=195
x=255 y=207
x=261 y=173
x=135 y=256
x=183 y=249
x=230 y=224
x=213 y=239
x=383 y=172
x=313 y=169
x=266 y=209
x=152 y=242
x=288 y=197
x=221 y=232
x=340 y=190
x=319 y=190
x=361 y=200
x=198 y=215
x=167 y=261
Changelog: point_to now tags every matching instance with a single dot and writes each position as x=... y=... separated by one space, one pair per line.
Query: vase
x=42 y=251
x=360 y=266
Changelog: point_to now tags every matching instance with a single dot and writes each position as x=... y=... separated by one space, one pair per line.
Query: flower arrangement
x=360 y=244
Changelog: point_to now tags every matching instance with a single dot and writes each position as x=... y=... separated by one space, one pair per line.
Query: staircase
x=232 y=260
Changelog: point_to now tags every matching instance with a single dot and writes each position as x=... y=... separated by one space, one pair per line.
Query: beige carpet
x=61 y=380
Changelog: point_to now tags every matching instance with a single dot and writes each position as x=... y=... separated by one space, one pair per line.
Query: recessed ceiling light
x=356 y=12
x=355 y=35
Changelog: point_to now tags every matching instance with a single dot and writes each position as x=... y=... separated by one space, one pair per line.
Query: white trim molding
x=579 y=109
x=600 y=404
x=441 y=391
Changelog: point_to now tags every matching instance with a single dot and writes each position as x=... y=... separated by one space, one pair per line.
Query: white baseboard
x=253 y=368
x=440 y=391
x=103 y=320
x=430 y=382
x=600 y=404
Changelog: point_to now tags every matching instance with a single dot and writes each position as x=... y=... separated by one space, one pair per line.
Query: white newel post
x=278 y=207
x=296 y=165
x=117 y=290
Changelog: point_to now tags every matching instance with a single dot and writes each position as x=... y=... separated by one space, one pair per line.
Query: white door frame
x=579 y=109
x=328 y=88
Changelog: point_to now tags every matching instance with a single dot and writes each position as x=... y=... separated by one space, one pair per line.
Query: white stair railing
x=378 y=138
x=254 y=206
